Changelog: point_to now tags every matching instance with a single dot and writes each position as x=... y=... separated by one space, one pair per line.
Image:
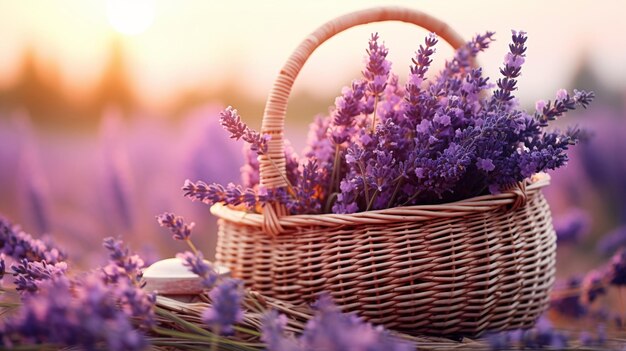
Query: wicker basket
x=485 y=263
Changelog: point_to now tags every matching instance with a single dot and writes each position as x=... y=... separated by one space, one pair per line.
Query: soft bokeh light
x=130 y=17
x=206 y=46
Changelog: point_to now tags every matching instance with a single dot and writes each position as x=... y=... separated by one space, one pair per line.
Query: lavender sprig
x=225 y=309
x=82 y=314
x=376 y=74
x=420 y=66
x=197 y=265
x=512 y=67
x=441 y=140
x=28 y=276
x=377 y=69
x=308 y=191
x=330 y=329
x=176 y=224
x=550 y=111
x=2 y=268
x=89 y=312
x=213 y=193
x=231 y=121
x=347 y=107
x=123 y=264
x=272 y=333
x=124 y=275
x=19 y=244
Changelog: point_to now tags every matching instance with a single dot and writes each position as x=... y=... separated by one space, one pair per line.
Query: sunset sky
x=173 y=46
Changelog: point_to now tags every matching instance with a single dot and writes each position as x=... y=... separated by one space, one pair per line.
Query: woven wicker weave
x=485 y=263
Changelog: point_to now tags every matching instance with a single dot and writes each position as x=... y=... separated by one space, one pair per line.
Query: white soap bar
x=172 y=277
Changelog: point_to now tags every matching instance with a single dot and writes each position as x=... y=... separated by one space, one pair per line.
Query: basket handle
x=272 y=163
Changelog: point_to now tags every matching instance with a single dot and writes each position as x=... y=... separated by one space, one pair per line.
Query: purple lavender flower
x=116 y=175
x=177 y=225
x=272 y=333
x=250 y=169
x=332 y=330
x=31 y=181
x=308 y=191
x=512 y=68
x=612 y=241
x=564 y=102
x=377 y=69
x=122 y=263
x=347 y=107
x=231 y=121
x=485 y=164
x=572 y=226
x=542 y=335
x=2 y=268
x=463 y=56
x=28 y=276
x=198 y=266
x=210 y=194
x=569 y=304
x=18 y=244
x=588 y=340
x=84 y=314
x=136 y=302
x=319 y=146
x=225 y=308
x=438 y=140
x=421 y=63
x=123 y=274
x=292 y=166
x=504 y=340
x=592 y=286
x=616 y=270
x=276 y=195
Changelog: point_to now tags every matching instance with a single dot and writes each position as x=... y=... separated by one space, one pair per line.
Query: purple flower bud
x=512 y=60
x=273 y=326
x=225 y=309
x=330 y=329
x=16 y=243
x=197 y=265
x=485 y=164
x=442 y=119
x=424 y=126
x=231 y=121
x=562 y=94
x=177 y=225
x=540 y=105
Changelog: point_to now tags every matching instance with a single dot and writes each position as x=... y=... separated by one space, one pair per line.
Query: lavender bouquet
x=431 y=140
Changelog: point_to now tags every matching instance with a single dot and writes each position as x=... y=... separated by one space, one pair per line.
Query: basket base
x=462 y=275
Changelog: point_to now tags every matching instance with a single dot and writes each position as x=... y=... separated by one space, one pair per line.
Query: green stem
x=334 y=172
x=365 y=187
x=216 y=340
x=182 y=322
x=395 y=192
x=411 y=198
x=374 y=115
x=205 y=339
x=369 y=205
x=329 y=202
x=290 y=189
x=192 y=246
x=247 y=331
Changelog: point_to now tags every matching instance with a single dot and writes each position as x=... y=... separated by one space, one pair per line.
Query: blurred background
x=107 y=106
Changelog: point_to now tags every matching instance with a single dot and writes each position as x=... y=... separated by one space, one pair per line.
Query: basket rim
x=482 y=203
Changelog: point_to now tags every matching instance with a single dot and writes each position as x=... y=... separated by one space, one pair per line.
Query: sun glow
x=130 y=17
